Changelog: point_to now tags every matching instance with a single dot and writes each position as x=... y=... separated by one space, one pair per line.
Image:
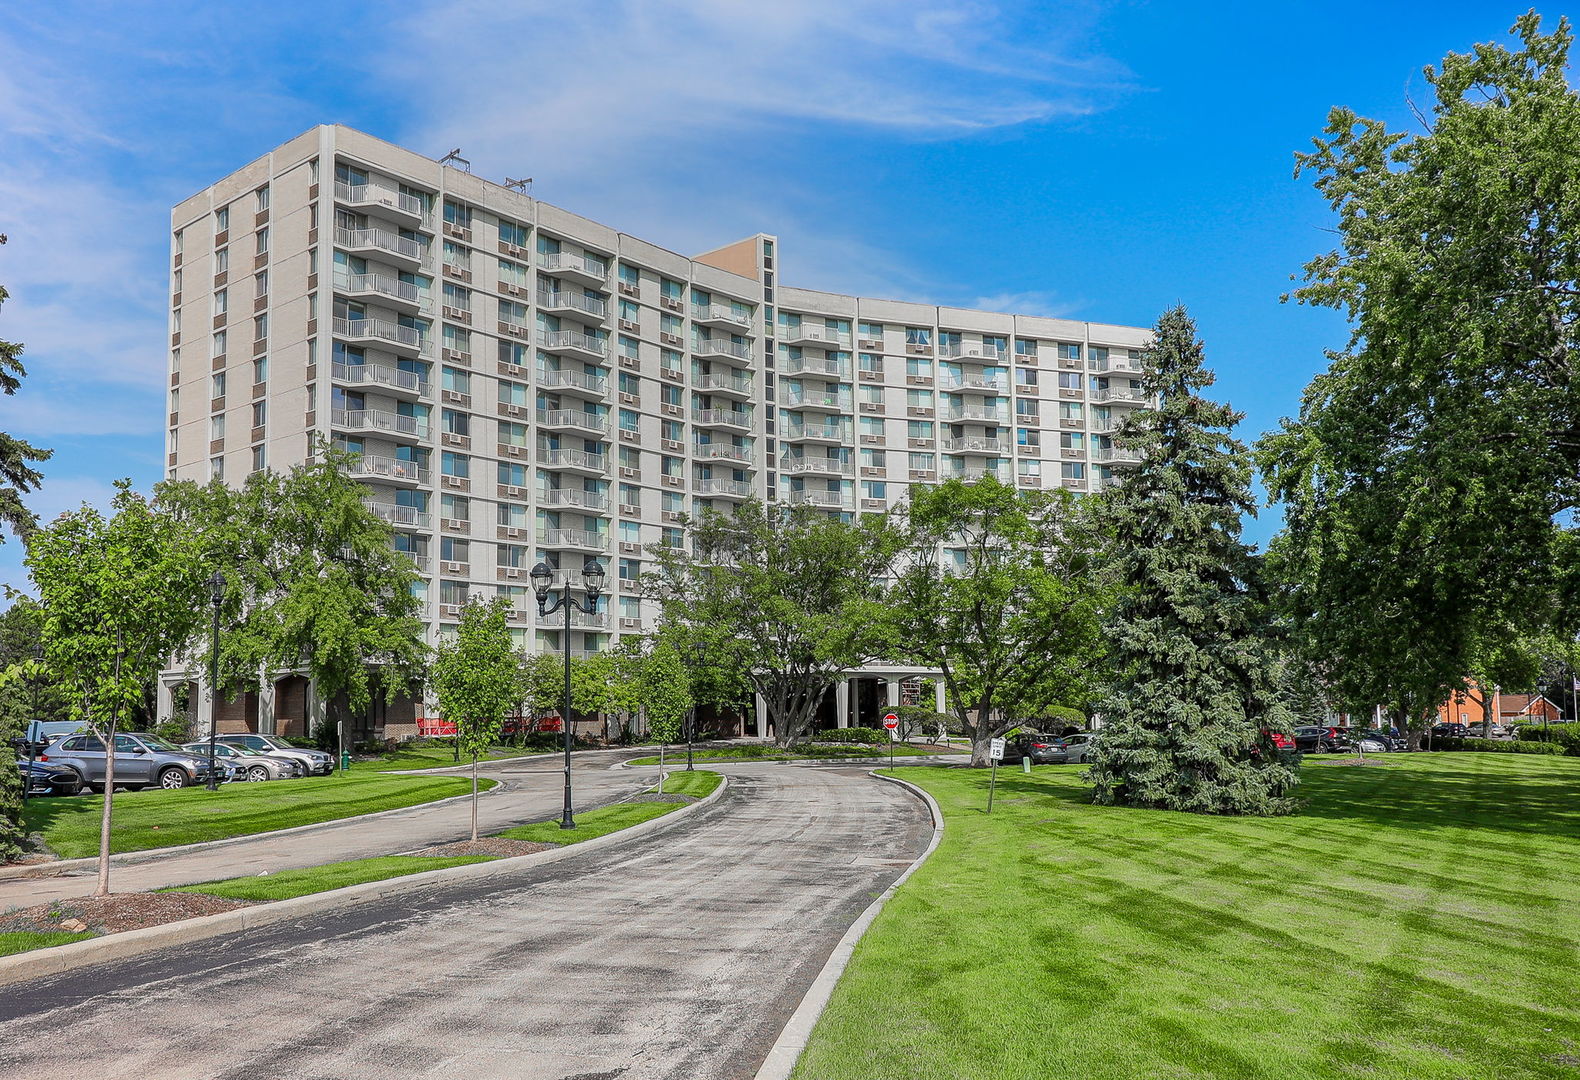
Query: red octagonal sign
x=891 y=721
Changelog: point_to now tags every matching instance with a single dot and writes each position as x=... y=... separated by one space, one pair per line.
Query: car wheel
x=257 y=774
x=172 y=778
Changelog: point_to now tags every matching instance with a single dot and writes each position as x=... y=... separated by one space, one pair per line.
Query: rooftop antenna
x=455 y=156
x=523 y=186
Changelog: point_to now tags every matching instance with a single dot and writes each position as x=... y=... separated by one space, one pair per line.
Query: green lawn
x=15 y=941
x=699 y=783
x=157 y=818
x=288 y=883
x=1416 y=921
x=433 y=757
x=758 y=752
x=592 y=823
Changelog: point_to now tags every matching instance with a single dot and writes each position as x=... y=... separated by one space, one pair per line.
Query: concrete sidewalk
x=533 y=791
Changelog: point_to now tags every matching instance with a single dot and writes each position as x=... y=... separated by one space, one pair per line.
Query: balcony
x=803 y=466
x=394 y=247
x=821 y=366
x=1121 y=396
x=1121 y=365
x=974 y=445
x=804 y=399
x=826 y=433
x=1116 y=455
x=576 y=267
x=719 y=316
x=991 y=354
x=573 y=497
x=574 y=381
x=415 y=427
x=980 y=384
x=573 y=461
x=723 y=347
x=722 y=489
x=721 y=452
x=393 y=336
x=833 y=500
x=573 y=342
x=580 y=620
x=978 y=413
x=722 y=418
x=579 y=539
x=817 y=336
x=369 y=196
x=1099 y=423
x=977 y=472
x=573 y=419
x=395 y=470
x=402 y=517
x=736 y=385
x=564 y=301
x=398 y=382
x=386 y=290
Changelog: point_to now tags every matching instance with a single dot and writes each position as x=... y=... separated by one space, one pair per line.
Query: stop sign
x=891 y=721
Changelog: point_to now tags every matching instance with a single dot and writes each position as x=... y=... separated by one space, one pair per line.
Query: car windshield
x=273 y=743
x=154 y=742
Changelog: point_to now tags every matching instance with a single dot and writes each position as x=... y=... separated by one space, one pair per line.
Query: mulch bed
x=113 y=914
x=487 y=845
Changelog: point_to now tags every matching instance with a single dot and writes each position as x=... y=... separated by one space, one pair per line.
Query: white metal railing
x=573 y=418
x=380 y=330
x=817 y=335
x=384 y=285
x=721 y=452
x=388 y=468
x=592 y=305
x=562 y=261
x=738 y=383
x=715 y=313
x=712 y=486
x=818 y=498
x=378 y=420
x=598 y=620
x=721 y=347
x=1114 y=453
x=580 y=459
x=977 y=412
x=581 y=538
x=1121 y=364
x=380 y=375
x=973 y=445
x=968 y=351
x=732 y=417
x=589 y=500
x=817 y=431
x=401 y=515
x=826 y=466
x=802 y=398
x=992 y=384
x=1115 y=393
x=571 y=339
x=580 y=380
x=977 y=473
x=381 y=240
x=806 y=365
x=378 y=195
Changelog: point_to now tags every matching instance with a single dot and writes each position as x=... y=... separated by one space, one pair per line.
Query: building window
x=457 y=214
x=1069 y=350
x=260 y=369
x=260 y=459
x=263 y=241
x=1073 y=470
x=260 y=283
x=219 y=343
x=918 y=335
x=217 y=385
x=456 y=423
x=221 y=260
x=513 y=234
x=216 y=468
x=260 y=413
x=221 y=301
x=216 y=427
x=260 y=327
x=222 y=219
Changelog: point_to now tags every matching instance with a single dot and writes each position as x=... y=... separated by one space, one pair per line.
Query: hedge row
x=1564 y=736
x=867 y=735
x=1496 y=747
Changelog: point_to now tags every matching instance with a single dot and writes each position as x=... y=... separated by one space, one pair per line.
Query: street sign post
x=996 y=752
x=891 y=722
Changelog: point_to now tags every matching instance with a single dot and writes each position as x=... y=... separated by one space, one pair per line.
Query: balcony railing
x=380 y=375
x=368 y=194
x=974 y=445
x=717 y=314
x=824 y=466
x=549 y=380
x=968 y=351
x=730 y=488
x=381 y=240
x=802 y=399
x=989 y=384
x=587 y=500
x=572 y=459
x=721 y=452
x=379 y=420
x=818 y=498
x=569 y=301
x=401 y=515
x=580 y=620
x=835 y=432
x=383 y=285
x=388 y=468
x=1116 y=455
x=380 y=330
x=722 y=347
x=576 y=418
x=563 y=262
x=722 y=417
x=813 y=335
x=1121 y=394
x=575 y=538
x=811 y=365
x=737 y=384
x=977 y=473
x=977 y=413
x=571 y=339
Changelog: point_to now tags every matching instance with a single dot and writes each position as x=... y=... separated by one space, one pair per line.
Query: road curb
x=60 y=959
x=792 y=1040
x=66 y=866
x=861 y=762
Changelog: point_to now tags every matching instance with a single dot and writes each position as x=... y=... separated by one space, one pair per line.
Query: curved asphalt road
x=679 y=955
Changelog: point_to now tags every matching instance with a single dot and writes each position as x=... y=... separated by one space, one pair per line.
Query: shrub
x=1495 y=747
x=1565 y=736
x=862 y=735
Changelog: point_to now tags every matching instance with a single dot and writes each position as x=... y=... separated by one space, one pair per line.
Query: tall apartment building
x=523 y=383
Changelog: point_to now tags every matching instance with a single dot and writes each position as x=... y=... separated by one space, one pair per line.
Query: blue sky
x=1090 y=160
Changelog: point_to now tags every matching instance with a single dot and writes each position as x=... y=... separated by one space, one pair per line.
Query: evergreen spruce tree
x=1194 y=689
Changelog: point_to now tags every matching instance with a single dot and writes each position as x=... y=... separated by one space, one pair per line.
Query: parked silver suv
x=248 y=764
x=314 y=762
x=141 y=760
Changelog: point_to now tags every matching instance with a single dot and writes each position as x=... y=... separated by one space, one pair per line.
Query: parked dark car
x=1042 y=749
x=1376 y=741
x=47 y=778
x=1450 y=731
x=1313 y=739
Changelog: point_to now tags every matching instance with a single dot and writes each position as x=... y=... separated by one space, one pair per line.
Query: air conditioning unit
x=507 y=409
x=918 y=410
x=919 y=380
x=629 y=399
x=672 y=444
x=455 y=524
x=870 y=343
x=630 y=361
x=629 y=548
x=868 y=470
x=872 y=504
x=872 y=440
x=457 y=231
x=512 y=491
x=627 y=472
x=456 y=397
x=449 y=609
x=671 y=339
x=457 y=273
x=673 y=303
x=454 y=482
x=872 y=406
x=669 y=515
x=512 y=573
x=630 y=510
x=627 y=289
x=630 y=624
x=508 y=533
x=628 y=325
x=673 y=410
x=450 y=438
x=919 y=350
x=452 y=567
x=872 y=376
x=512 y=250
x=511 y=450
x=627 y=435
x=674 y=481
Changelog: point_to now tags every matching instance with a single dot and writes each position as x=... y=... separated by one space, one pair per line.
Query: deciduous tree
x=476 y=677
x=666 y=692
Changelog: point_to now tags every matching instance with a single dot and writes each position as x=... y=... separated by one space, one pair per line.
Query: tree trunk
x=474 y=798
x=1489 y=703
x=104 y=819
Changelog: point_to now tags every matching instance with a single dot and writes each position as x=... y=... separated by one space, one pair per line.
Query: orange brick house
x=1464 y=707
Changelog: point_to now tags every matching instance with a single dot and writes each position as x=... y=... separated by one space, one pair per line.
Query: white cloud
x=1034 y=302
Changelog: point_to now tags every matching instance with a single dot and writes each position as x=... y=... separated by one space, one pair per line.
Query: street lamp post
x=592 y=581
x=216 y=589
